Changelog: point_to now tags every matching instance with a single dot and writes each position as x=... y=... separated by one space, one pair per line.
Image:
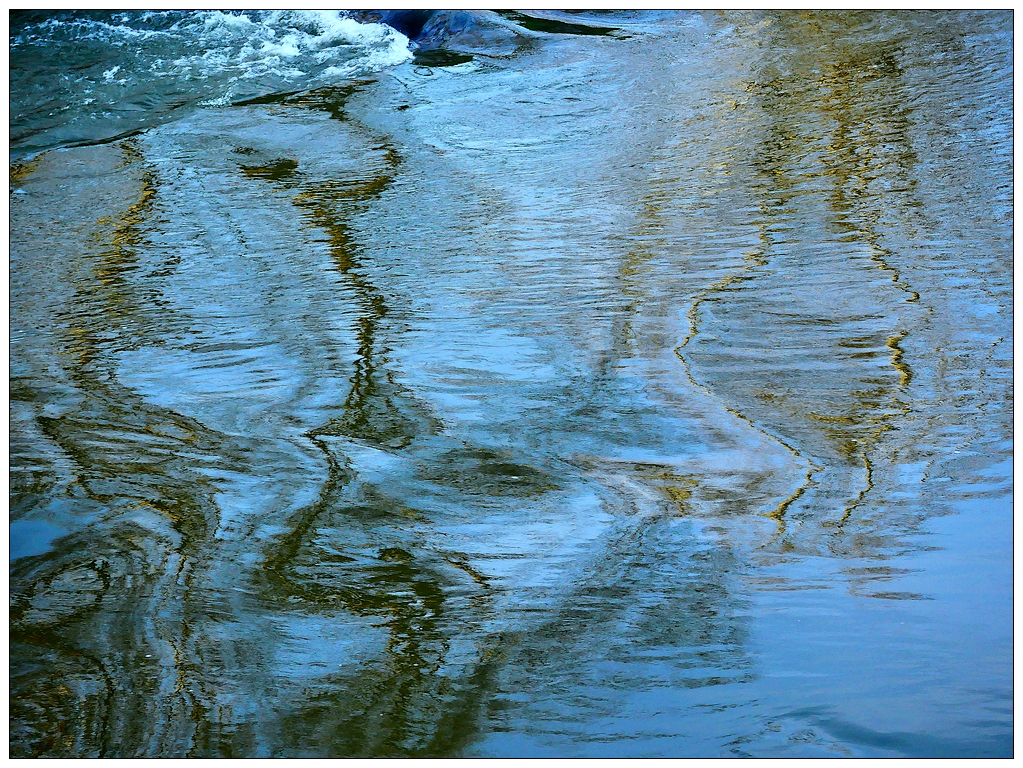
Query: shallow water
x=637 y=393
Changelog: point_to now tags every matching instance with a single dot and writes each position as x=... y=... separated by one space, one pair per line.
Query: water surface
x=630 y=384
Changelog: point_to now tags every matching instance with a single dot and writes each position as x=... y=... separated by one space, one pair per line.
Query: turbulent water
x=506 y=384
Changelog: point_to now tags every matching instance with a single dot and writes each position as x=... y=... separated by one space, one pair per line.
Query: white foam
x=208 y=44
x=145 y=62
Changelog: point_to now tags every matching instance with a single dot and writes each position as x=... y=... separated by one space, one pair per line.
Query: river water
x=628 y=384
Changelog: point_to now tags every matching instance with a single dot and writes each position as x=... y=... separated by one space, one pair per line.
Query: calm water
x=571 y=385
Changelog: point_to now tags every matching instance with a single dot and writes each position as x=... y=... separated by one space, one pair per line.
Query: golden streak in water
x=779 y=513
x=905 y=374
x=21 y=171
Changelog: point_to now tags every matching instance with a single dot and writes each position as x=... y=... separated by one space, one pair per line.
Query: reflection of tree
x=88 y=608
x=834 y=129
x=355 y=548
x=868 y=144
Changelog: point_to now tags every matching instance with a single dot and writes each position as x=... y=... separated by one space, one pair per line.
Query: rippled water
x=586 y=385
